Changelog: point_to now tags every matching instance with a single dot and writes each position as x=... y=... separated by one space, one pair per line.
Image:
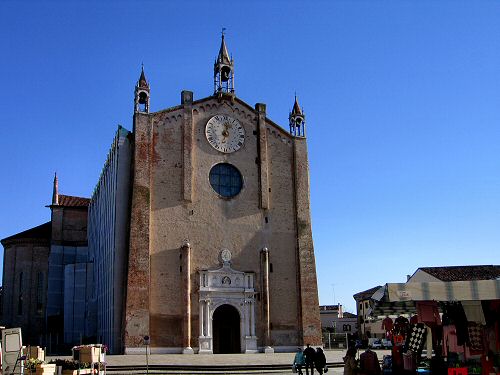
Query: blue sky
x=402 y=100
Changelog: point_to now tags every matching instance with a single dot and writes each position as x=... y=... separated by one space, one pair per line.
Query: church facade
x=221 y=254
x=218 y=253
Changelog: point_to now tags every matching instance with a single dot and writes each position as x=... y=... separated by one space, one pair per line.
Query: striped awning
x=399 y=298
x=475 y=290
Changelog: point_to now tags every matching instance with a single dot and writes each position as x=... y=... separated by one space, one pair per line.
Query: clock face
x=225 y=133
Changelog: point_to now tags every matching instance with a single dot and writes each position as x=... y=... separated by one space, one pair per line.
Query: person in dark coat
x=310 y=354
x=320 y=360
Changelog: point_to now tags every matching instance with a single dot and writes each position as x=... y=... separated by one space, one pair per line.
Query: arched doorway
x=226 y=330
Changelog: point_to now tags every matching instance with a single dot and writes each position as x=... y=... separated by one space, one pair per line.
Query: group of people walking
x=310 y=359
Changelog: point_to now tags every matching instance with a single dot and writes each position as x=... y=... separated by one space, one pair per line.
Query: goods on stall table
x=457 y=371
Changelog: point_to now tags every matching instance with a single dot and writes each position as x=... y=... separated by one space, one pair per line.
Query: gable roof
x=366 y=293
x=40 y=232
x=232 y=99
x=72 y=201
x=464 y=273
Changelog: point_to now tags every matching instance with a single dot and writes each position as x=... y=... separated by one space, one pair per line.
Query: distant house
x=334 y=319
x=366 y=326
x=47 y=277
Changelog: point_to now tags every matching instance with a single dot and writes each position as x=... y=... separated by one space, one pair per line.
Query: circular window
x=226 y=180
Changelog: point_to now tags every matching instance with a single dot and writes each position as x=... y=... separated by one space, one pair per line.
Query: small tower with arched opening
x=297 y=120
x=223 y=71
x=141 y=99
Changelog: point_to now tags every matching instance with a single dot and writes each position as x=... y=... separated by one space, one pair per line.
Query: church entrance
x=226 y=330
x=227 y=310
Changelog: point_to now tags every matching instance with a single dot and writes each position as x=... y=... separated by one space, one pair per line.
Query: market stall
x=441 y=327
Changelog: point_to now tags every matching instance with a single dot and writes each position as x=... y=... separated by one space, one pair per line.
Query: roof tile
x=464 y=273
x=71 y=201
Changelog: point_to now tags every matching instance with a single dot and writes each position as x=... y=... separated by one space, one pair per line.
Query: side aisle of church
x=199 y=231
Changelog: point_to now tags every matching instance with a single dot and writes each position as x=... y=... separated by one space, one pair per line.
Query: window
x=346 y=327
x=20 y=282
x=39 y=292
x=20 y=298
x=20 y=305
x=226 y=180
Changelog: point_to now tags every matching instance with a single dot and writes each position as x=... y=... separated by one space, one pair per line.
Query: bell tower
x=223 y=71
x=297 y=120
x=141 y=99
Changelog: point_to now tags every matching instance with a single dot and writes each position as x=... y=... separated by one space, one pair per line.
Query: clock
x=225 y=133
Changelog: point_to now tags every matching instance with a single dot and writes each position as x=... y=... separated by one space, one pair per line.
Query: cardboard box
x=90 y=354
x=45 y=369
x=34 y=352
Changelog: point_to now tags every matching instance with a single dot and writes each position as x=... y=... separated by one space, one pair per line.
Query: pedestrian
x=299 y=360
x=310 y=353
x=350 y=363
x=320 y=360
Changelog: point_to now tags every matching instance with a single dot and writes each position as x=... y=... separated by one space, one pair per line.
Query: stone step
x=213 y=370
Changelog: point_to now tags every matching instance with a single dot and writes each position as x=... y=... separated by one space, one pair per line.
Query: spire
x=297 y=120
x=55 y=191
x=142 y=83
x=223 y=57
x=223 y=71
x=296 y=108
x=141 y=99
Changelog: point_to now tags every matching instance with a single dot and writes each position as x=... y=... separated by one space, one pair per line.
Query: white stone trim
x=226 y=286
